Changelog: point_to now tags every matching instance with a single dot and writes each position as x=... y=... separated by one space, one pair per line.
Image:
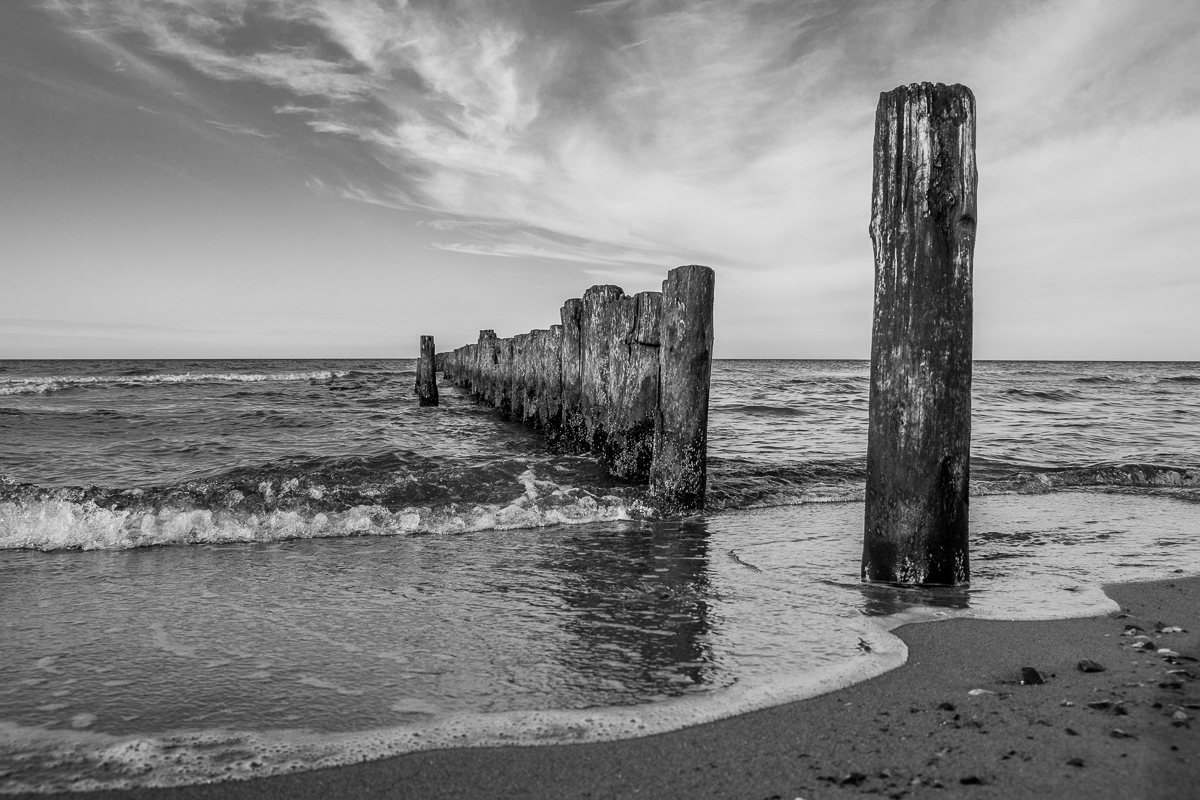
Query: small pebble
x=852 y=779
x=1075 y=762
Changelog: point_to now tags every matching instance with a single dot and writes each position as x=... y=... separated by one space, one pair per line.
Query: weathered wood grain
x=923 y=218
x=629 y=450
x=574 y=430
x=679 y=472
x=427 y=393
x=600 y=307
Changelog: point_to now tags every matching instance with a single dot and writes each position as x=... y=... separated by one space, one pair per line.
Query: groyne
x=623 y=376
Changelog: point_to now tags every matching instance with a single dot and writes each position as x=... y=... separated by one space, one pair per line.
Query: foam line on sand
x=1130 y=731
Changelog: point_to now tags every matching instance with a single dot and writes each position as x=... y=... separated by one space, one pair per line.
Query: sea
x=218 y=570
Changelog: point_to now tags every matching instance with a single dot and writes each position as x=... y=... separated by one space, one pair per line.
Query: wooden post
x=678 y=472
x=550 y=383
x=504 y=368
x=427 y=392
x=600 y=304
x=533 y=350
x=633 y=392
x=483 y=365
x=571 y=353
x=520 y=350
x=919 y=435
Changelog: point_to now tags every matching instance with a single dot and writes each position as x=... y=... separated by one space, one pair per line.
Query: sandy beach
x=954 y=721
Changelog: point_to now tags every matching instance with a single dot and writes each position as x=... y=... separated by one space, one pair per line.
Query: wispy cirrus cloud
x=246 y=130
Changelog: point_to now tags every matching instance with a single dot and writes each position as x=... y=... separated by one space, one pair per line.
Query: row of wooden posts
x=623 y=376
x=626 y=377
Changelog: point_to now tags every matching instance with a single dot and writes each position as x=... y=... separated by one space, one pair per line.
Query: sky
x=334 y=178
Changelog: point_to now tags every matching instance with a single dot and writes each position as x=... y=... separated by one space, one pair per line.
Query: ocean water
x=224 y=569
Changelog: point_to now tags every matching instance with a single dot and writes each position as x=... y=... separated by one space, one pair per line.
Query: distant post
x=923 y=219
x=427 y=393
x=678 y=471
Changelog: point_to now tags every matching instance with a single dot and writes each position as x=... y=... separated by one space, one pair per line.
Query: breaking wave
x=1140 y=476
x=735 y=484
x=401 y=493
x=1054 y=395
x=1115 y=379
x=274 y=511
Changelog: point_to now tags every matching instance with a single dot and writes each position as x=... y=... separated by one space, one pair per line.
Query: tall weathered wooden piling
x=678 y=473
x=923 y=218
x=600 y=306
x=549 y=387
x=634 y=386
x=484 y=365
x=624 y=377
x=427 y=393
x=571 y=355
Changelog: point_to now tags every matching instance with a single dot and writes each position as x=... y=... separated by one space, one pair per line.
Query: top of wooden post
x=914 y=126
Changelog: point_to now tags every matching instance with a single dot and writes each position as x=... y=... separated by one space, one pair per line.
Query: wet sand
x=1130 y=731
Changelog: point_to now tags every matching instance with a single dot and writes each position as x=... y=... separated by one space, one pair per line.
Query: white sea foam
x=56 y=524
x=78 y=760
x=44 y=384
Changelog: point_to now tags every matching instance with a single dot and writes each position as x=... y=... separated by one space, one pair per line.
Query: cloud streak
x=245 y=130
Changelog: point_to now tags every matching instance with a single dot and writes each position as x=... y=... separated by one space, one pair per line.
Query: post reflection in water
x=639 y=607
x=885 y=599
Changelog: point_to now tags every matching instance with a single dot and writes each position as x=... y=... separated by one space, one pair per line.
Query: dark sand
x=914 y=732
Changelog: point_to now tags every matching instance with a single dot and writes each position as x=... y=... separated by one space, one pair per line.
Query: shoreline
x=914 y=731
